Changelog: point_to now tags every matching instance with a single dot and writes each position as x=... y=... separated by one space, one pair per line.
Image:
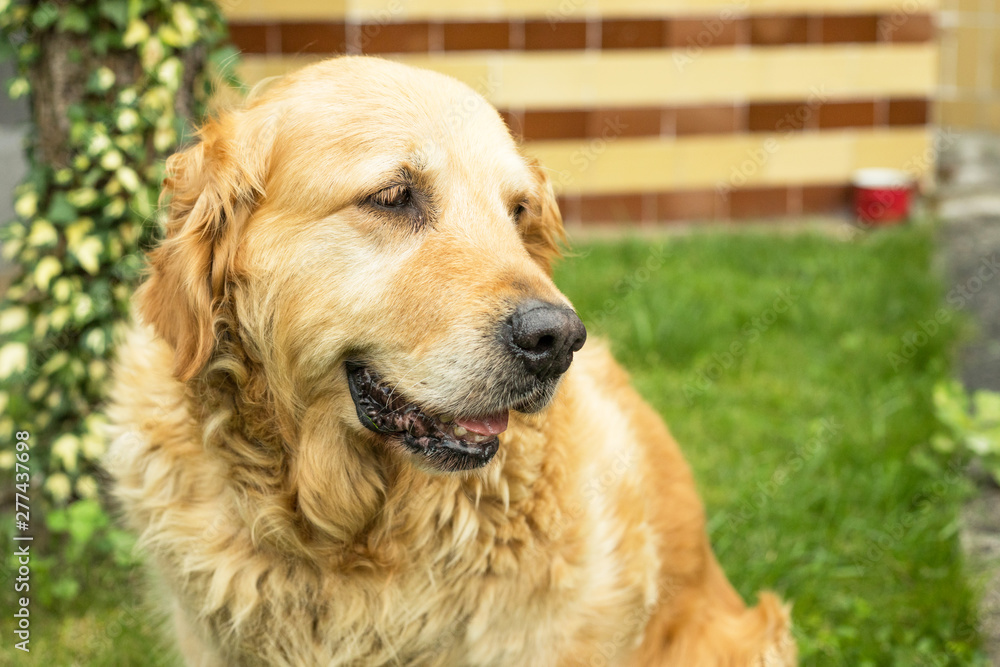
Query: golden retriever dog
x=348 y=428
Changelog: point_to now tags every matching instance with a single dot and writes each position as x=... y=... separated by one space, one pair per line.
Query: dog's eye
x=395 y=196
x=518 y=211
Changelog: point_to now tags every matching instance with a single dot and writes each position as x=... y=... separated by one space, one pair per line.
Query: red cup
x=882 y=196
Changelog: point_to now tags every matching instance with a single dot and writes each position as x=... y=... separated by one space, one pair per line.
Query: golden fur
x=283 y=531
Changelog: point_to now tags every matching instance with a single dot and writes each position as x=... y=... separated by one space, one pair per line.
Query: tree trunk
x=59 y=79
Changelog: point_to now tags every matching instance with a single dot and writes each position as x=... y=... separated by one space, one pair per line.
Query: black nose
x=544 y=336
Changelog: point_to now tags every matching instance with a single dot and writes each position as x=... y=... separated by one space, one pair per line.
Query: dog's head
x=379 y=243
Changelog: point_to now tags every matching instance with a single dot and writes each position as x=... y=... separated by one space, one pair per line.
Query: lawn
x=794 y=371
x=796 y=376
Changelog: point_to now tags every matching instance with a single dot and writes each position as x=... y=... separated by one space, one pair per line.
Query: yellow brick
x=959 y=114
x=757 y=160
x=845 y=71
x=635 y=78
x=809 y=158
x=907 y=149
x=548 y=80
x=968 y=60
x=786 y=73
x=948 y=57
x=580 y=9
x=410 y=10
x=481 y=72
x=909 y=70
x=599 y=165
x=715 y=161
x=253 y=69
x=665 y=77
x=637 y=165
x=327 y=10
x=714 y=75
x=837 y=6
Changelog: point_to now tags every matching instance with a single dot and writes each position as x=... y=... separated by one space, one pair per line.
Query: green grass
x=809 y=443
x=111 y=624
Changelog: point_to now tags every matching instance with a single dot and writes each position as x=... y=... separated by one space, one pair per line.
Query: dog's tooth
x=460 y=431
x=446 y=419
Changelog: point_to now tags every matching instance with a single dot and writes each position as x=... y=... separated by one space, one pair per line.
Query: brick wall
x=970 y=64
x=651 y=110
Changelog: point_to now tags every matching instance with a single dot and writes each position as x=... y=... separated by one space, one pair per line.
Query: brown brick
x=881 y=112
x=476 y=36
x=555 y=125
x=847 y=114
x=794 y=201
x=906 y=27
x=312 y=38
x=394 y=37
x=617 y=208
x=758 y=203
x=621 y=34
x=690 y=205
x=542 y=35
x=632 y=122
x=706 y=120
x=776 y=30
x=909 y=112
x=861 y=28
x=780 y=117
x=704 y=33
x=569 y=207
x=826 y=198
x=249 y=37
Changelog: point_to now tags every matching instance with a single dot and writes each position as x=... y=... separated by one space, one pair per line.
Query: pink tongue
x=488 y=425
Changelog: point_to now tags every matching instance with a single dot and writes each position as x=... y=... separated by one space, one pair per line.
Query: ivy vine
x=114 y=87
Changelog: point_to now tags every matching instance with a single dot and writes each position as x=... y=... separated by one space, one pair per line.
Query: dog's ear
x=213 y=188
x=541 y=225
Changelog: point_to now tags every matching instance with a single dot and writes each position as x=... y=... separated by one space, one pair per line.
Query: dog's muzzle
x=539 y=338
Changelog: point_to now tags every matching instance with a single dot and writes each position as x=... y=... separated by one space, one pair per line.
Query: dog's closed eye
x=518 y=211
x=392 y=197
x=403 y=202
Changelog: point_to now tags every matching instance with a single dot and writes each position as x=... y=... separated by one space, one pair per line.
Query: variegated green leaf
x=13 y=359
x=47 y=269
x=88 y=253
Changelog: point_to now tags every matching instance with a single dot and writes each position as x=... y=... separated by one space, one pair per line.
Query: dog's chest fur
x=538 y=560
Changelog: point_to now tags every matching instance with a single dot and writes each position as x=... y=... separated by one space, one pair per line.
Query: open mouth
x=447 y=442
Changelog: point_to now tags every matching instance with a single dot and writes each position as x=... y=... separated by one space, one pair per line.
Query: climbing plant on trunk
x=114 y=86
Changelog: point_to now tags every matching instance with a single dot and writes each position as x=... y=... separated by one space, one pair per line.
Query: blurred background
x=674 y=97
x=824 y=340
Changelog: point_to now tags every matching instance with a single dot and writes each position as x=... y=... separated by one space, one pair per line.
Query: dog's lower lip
x=445 y=443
